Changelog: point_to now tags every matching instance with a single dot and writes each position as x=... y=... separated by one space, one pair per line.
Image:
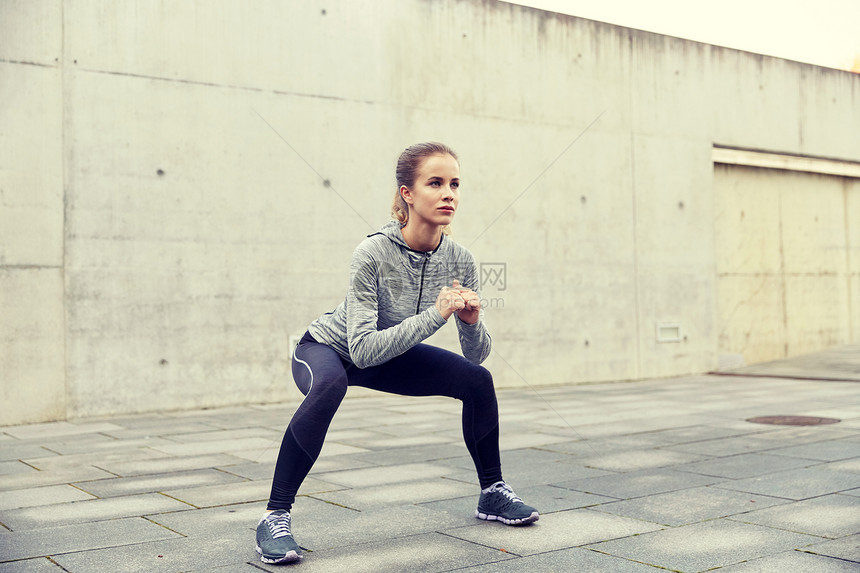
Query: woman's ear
x=406 y=194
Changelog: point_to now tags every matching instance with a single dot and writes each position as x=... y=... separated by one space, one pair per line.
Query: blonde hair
x=408 y=164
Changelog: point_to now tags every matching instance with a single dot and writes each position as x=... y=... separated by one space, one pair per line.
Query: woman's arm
x=369 y=346
x=475 y=341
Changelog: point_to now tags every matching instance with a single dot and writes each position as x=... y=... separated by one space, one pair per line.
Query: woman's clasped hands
x=459 y=300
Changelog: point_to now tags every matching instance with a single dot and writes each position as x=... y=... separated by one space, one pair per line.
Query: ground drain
x=793 y=420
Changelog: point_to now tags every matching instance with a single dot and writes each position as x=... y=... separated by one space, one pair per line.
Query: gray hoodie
x=390 y=303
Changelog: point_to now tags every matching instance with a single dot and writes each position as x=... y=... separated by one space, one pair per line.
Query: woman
x=406 y=281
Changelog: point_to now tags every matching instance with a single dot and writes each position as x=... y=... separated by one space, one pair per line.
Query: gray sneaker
x=275 y=543
x=502 y=504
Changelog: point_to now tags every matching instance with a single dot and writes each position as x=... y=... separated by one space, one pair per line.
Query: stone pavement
x=629 y=477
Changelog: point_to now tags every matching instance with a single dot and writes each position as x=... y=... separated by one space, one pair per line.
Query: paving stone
x=386 y=475
x=238 y=519
x=564 y=560
x=636 y=484
x=98 y=444
x=692 y=434
x=560 y=530
x=169 y=556
x=704 y=546
x=90 y=510
x=339 y=463
x=332 y=449
x=51 y=430
x=852 y=465
x=95 y=459
x=796 y=484
x=15 y=467
x=427 y=453
x=82 y=537
x=39 y=565
x=210 y=496
x=767 y=441
x=793 y=562
x=428 y=553
x=216 y=446
x=546 y=499
x=744 y=465
x=165 y=464
x=44 y=478
x=14 y=452
x=516 y=440
x=211 y=435
x=156 y=482
x=638 y=460
x=523 y=471
x=235 y=568
x=40 y=496
x=689 y=506
x=358 y=528
x=830 y=451
x=398 y=494
x=250 y=470
x=156 y=427
x=243 y=492
x=827 y=516
x=847 y=548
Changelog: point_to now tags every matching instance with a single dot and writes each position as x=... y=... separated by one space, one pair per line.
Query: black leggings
x=423 y=370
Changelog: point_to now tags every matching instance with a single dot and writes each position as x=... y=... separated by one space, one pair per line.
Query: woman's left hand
x=472 y=311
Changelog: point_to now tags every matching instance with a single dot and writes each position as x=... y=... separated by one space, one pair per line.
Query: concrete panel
x=31 y=31
x=783 y=244
x=323 y=49
x=812 y=209
x=674 y=206
x=755 y=100
x=32 y=382
x=676 y=297
x=668 y=78
x=829 y=113
x=852 y=222
x=193 y=279
x=747 y=236
x=751 y=317
x=674 y=252
x=31 y=166
x=816 y=313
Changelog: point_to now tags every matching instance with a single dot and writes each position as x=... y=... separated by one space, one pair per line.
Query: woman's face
x=435 y=195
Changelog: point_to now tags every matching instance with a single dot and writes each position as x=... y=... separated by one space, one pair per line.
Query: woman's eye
x=435 y=183
x=455 y=185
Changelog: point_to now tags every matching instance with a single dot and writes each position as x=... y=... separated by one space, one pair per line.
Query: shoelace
x=279 y=525
x=506 y=490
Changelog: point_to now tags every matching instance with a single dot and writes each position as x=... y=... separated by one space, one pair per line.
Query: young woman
x=406 y=282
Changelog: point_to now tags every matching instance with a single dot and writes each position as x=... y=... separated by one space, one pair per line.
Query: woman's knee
x=479 y=380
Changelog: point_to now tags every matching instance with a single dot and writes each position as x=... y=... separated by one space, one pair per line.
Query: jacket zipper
x=421 y=286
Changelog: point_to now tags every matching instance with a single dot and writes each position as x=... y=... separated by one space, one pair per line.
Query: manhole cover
x=792 y=420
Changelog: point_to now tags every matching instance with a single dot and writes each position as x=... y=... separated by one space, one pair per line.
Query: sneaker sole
x=288 y=558
x=524 y=521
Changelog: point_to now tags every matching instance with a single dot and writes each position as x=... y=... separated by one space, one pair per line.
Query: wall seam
x=635 y=216
x=846 y=206
x=64 y=166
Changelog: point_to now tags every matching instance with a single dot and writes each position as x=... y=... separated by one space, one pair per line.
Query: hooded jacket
x=390 y=303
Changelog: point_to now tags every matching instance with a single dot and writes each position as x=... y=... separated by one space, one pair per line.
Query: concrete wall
x=182 y=185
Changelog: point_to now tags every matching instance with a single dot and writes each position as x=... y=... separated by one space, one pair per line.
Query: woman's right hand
x=449 y=301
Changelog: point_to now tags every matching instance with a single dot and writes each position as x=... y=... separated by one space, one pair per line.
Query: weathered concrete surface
x=181 y=191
